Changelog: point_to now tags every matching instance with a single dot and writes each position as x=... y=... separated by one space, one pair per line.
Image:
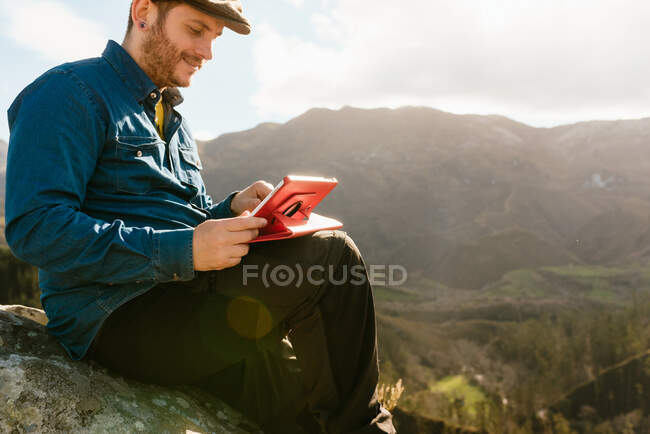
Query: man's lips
x=194 y=64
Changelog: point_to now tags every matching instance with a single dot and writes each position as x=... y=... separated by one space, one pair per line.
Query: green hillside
x=484 y=359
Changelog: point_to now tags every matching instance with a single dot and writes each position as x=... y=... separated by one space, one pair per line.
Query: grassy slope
x=496 y=343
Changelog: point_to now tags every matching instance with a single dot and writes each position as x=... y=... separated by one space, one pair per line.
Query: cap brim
x=236 y=26
x=231 y=18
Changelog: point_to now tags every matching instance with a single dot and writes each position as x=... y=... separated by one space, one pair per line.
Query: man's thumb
x=252 y=203
x=246 y=213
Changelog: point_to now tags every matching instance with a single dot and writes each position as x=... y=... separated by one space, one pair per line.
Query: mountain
x=3 y=166
x=443 y=194
x=3 y=155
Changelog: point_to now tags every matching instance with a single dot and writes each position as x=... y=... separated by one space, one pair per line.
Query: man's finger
x=241 y=237
x=263 y=188
x=239 y=250
x=251 y=204
x=231 y=262
x=243 y=223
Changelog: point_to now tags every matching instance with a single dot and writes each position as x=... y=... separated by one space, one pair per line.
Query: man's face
x=176 y=49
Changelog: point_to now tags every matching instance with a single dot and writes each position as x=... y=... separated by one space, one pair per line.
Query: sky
x=541 y=62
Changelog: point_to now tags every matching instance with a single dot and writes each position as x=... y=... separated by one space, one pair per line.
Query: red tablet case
x=289 y=207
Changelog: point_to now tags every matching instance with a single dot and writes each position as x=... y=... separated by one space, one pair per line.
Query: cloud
x=204 y=135
x=52 y=30
x=541 y=62
x=296 y=3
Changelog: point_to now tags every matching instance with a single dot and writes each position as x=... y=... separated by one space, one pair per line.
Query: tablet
x=288 y=208
x=314 y=188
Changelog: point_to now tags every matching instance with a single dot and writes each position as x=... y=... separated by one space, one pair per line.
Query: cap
x=230 y=11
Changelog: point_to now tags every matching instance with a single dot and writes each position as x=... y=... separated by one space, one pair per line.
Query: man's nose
x=205 y=50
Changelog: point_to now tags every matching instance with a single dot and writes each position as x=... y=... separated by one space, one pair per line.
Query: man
x=138 y=268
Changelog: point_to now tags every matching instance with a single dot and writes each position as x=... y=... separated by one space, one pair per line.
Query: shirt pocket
x=191 y=167
x=140 y=162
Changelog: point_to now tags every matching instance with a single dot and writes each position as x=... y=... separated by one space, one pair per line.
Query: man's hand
x=250 y=197
x=219 y=244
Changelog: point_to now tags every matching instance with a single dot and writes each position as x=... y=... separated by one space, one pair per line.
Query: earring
x=142 y=24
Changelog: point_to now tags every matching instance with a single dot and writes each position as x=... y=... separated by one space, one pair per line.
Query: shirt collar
x=135 y=79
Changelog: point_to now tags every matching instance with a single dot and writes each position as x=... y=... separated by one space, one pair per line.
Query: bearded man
x=142 y=272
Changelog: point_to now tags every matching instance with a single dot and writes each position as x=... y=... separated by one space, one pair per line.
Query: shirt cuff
x=222 y=209
x=173 y=258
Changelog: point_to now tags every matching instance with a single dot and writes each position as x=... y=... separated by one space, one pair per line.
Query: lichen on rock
x=42 y=390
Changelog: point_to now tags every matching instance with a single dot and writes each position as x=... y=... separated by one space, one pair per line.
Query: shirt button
x=139 y=153
x=175 y=276
x=153 y=95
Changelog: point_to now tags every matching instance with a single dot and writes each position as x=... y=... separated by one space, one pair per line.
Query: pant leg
x=173 y=334
x=331 y=324
x=267 y=389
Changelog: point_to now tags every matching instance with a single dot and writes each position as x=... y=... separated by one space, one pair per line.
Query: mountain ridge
x=456 y=179
x=408 y=107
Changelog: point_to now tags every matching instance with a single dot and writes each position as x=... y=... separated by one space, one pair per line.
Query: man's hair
x=164 y=6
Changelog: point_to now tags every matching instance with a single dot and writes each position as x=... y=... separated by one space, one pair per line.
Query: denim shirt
x=94 y=197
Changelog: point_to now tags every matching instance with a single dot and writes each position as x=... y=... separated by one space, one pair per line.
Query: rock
x=27 y=312
x=42 y=390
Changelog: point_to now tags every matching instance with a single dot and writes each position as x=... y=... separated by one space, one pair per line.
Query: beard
x=161 y=57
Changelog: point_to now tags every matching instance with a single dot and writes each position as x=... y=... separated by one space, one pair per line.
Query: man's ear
x=143 y=13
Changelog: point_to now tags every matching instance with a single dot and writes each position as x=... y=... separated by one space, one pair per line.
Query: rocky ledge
x=42 y=390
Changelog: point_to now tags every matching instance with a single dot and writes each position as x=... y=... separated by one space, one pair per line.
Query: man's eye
x=194 y=31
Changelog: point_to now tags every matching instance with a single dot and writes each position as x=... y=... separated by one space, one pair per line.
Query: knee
x=339 y=246
x=349 y=251
x=346 y=263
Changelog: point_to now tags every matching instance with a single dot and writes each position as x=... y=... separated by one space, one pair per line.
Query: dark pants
x=224 y=330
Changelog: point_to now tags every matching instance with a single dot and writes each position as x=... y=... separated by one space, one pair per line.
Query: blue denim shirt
x=94 y=197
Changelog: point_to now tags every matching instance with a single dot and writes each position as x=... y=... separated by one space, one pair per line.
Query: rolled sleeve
x=222 y=209
x=173 y=258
